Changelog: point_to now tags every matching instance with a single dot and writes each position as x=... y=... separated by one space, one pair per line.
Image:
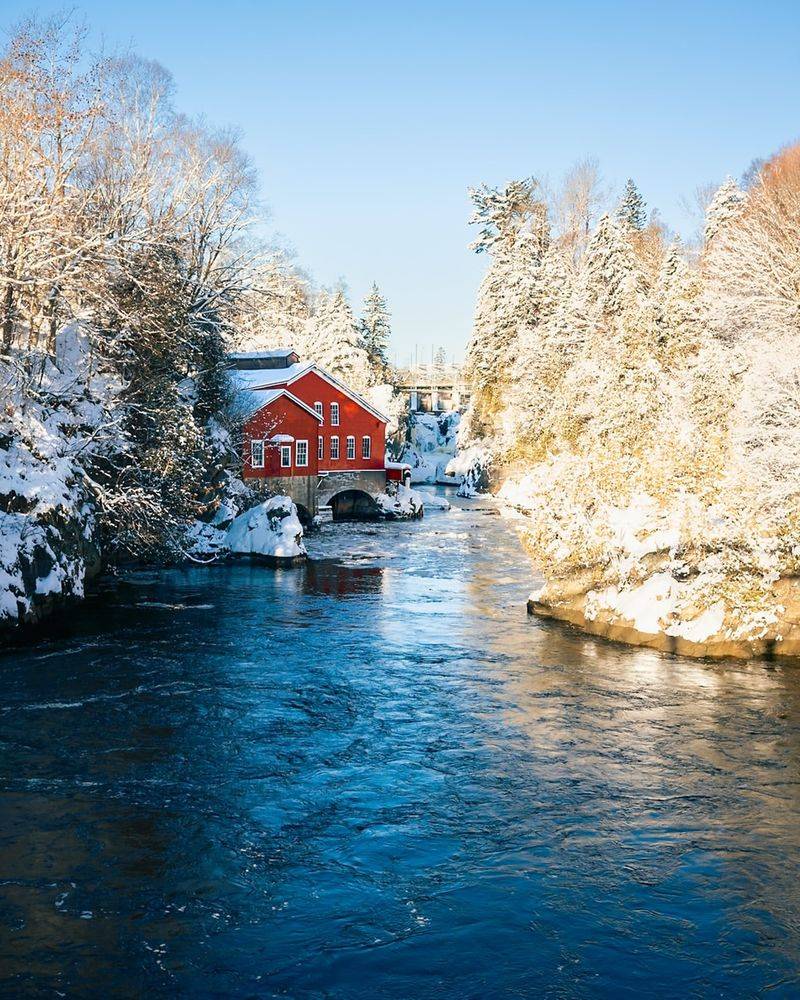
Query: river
x=375 y=776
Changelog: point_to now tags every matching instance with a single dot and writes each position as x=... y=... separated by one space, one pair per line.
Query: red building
x=307 y=433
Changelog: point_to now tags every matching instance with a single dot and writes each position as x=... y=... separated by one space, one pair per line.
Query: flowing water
x=374 y=776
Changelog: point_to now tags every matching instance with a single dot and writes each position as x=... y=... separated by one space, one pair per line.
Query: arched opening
x=353 y=505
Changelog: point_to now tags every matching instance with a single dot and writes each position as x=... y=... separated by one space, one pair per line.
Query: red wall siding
x=353 y=419
x=280 y=417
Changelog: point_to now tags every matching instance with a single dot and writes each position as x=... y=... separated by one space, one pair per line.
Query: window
x=257 y=454
x=351 y=447
x=334 y=448
x=318 y=409
x=366 y=446
x=320 y=447
x=301 y=453
x=334 y=414
x=286 y=456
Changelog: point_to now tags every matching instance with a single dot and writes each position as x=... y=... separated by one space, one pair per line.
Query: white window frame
x=254 y=447
x=351 y=448
x=320 y=448
x=335 y=448
x=319 y=410
x=366 y=447
x=286 y=449
x=297 y=462
x=334 y=414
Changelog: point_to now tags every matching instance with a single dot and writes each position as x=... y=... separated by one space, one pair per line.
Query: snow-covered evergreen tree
x=631 y=211
x=375 y=332
x=677 y=296
x=333 y=340
x=614 y=279
x=515 y=233
x=724 y=207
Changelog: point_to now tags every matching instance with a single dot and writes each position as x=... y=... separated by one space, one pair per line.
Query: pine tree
x=614 y=279
x=516 y=233
x=723 y=208
x=631 y=210
x=375 y=332
x=677 y=301
x=334 y=342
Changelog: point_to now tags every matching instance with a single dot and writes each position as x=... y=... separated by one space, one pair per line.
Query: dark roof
x=261 y=360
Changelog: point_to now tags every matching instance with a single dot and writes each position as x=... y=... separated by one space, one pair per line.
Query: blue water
x=376 y=777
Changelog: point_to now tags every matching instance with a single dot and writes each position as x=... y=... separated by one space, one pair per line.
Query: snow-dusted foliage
x=376 y=330
x=515 y=233
x=334 y=341
x=648 y=419
x=127 y=261
x=631 y=211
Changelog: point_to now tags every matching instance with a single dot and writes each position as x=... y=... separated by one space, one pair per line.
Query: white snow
x=434 y=501
x=400 y=503
x=271 y=529
x=701 y=628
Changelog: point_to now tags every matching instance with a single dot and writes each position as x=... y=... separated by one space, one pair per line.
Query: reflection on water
x=374 y=776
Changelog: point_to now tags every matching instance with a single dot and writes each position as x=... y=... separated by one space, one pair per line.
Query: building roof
x=250 y=400
x=254 y=380
x=265 y=378
x=260 y=360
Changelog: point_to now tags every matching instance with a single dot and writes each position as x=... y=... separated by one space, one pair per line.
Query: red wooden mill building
x=308 y=435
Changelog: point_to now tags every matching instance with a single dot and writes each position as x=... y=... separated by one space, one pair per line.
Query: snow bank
x=664 y=571
x=271 y=531
x=400 y=503
x=431 y=446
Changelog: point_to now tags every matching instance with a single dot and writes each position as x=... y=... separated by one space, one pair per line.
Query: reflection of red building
x=306 y=433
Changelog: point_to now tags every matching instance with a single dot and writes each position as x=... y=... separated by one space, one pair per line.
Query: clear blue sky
x=368 y=121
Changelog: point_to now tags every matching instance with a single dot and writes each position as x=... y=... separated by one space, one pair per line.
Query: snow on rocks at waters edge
x=269 y=531
x=272 y=530
x=400 y=504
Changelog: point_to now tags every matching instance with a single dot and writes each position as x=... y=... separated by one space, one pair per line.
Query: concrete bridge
x=430 y=389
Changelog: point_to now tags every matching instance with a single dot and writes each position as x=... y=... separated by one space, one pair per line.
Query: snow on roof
x=281 y=439
x=251 y=399
x=251 y=380
x=396 y=465
x=264 y=378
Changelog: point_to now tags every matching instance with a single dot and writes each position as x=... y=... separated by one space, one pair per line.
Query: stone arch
x=353 y=505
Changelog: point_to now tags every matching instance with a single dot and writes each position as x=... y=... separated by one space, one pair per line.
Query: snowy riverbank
x=665 y=579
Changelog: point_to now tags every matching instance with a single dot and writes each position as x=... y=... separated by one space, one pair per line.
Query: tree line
x=130 y=257
x=612 y=361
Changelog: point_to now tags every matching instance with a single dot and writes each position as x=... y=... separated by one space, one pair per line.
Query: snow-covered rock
x=431 y=446
x=271 y=531
x=400 y=503
x=434 y=501
x=471 y=468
